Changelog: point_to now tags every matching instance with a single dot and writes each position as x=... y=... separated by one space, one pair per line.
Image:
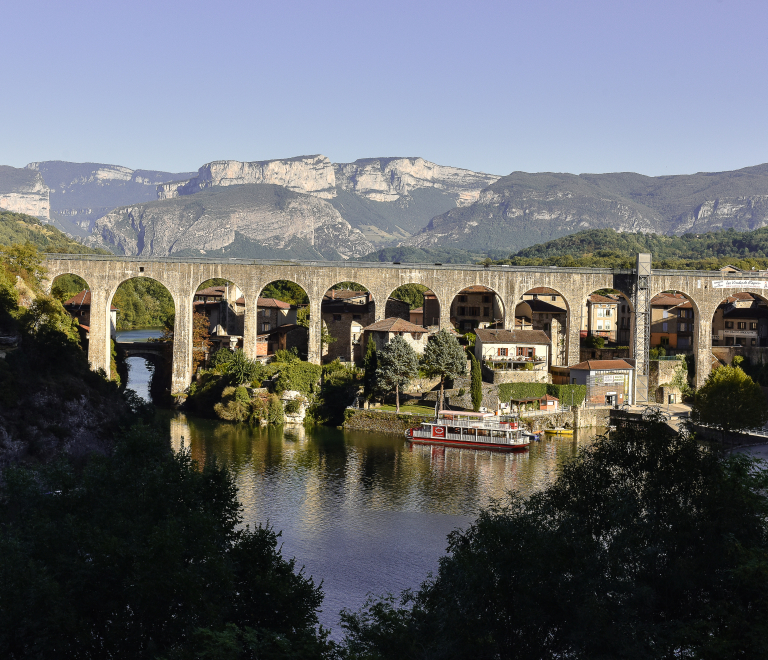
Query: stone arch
x=182 y=355
x=726 y=322
x=525 y=316
x=496 y=307
x=227 y=311
x=431 y=307
x=345 y=309
x=611 y=316
x=278 y=324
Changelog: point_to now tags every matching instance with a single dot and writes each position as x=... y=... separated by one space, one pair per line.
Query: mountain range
x=374 y=208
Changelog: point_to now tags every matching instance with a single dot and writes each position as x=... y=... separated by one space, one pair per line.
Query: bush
x=509 y=391
x=568 y=393
x=594 y=341
x=292 y=407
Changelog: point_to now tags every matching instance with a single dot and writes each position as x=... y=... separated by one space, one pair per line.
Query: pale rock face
x=22 y=191
x=212 y=219
x=307 y=174
x=390 y=179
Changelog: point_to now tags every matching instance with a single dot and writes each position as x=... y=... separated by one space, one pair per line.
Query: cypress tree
x=370 y=364
x=476 y=384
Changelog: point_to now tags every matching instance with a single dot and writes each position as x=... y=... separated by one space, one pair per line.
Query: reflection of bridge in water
x=183 y=276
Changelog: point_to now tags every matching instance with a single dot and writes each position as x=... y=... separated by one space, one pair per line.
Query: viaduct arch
x=181 y=276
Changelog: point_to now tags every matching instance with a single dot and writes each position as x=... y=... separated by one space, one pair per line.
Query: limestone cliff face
x=22 y=191
x=524 y=209
x=306 y=174
x=390 y=179
x=83 y=192
x=256 y=220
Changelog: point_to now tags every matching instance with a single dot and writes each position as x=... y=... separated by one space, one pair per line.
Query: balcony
x=514 y=362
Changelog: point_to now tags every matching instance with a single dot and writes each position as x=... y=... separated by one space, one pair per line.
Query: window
x=337 y=317
x=265 y=327
x=729 y=325
x=665 y=327
x=753 y=325
x=742 y=325
x=681 y=327
x=486 y=311
x=599 y=325
x=754 y=341
x=546 y=327
x=609 y=312
x=503 y=352
x=607 y=325
x=599 y=312
x=356 y=317
x=462 y=299
x=573 y=381
x=664 y=341
x=461 y=311
x=473 y=311
x=665 y=314
x=554 y=298
x=486 y=299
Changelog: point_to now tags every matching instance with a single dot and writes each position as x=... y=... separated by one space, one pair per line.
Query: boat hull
x=469 y=445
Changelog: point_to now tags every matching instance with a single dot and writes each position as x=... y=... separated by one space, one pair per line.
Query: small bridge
x=150 y=350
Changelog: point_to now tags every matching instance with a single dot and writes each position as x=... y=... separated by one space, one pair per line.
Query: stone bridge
x=147 y=349
x=182 y=277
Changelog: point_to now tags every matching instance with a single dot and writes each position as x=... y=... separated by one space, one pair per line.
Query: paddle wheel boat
x=481 y=430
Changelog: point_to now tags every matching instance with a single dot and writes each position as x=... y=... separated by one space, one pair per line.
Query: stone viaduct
x=182 y=277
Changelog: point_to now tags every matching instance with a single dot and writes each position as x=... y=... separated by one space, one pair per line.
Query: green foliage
x=232 y=407
x=66 y=286
x=730 y=401
x=238 y=368
x=508 y=391
x=143 y=303
x=444 y=357
x=476 y=384
x=286 y=291
x=370 y=364
x=656 y=352
x=24 y=260
x=46 y=313
x=568 y=395
x=142 y=554
x=646 y=546
x=413 y=294
x=292 y=407
x=612 y=249
x=398 y=364
x=594 y=341
x=19 y=228
x=411 y=255
x=297 y=375
x=302 y=317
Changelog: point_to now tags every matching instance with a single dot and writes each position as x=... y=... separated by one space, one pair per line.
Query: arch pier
x=181 y=276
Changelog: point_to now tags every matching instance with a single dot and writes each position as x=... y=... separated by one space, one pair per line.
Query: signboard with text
x=750 y=284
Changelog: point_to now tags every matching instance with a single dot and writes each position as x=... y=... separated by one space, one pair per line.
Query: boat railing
x=490 y=423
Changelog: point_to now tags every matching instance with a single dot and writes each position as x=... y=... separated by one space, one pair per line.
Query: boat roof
x=466 y=413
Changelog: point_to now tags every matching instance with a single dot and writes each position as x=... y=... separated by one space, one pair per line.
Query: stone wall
x=604 y=353
x=381 y=421
x=577 y=418
x=754 y=354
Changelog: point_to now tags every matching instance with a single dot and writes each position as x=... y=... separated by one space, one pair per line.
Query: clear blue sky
x=658 y=87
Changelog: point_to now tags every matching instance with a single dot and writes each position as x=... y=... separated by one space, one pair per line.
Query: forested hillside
x=22 y=228
x=609 y=248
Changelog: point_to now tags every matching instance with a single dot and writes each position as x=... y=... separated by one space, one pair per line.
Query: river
x=363 y=512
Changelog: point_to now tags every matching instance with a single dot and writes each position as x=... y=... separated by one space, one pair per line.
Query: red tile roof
x=477 y=288
x=542 y=290
x=394 y=324
x=601 y=365
x=83 y=299
x=512 y=336
x=344 y=294
x=597 y=298
x=272 y=302
x=216 y=291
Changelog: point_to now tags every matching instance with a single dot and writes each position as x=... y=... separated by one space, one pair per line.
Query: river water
x=363 y=512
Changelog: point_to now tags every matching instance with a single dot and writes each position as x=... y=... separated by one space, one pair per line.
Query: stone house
x=345 y=314
x=431 y=310
x=79 y=307
x=383 y=331
x=513 y=355
x=476 y=307
x=600 y=317
x=609 y=382
x=672 y=321
x=544 y=309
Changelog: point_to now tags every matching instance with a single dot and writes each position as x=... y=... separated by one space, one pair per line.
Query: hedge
x=509 y=391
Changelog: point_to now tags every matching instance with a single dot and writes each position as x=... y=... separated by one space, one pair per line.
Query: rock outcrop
x=305 y=174
x=391 y=179
x=256 y=221
x=22 y=191
x=80 y=193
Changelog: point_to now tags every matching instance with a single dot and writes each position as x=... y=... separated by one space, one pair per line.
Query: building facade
x=672 y=321
x=609 y=382
x=476 y=307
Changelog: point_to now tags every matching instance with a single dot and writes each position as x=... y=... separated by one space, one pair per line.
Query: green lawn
x=419 y=408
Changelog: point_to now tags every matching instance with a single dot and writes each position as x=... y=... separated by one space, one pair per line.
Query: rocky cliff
x=250 y=221
x=80 y=193
x=386 y=198
x=524 y=209
x=22 y=191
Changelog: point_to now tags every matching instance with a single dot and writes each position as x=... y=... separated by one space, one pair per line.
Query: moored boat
x=559 y=431
x=469 y=429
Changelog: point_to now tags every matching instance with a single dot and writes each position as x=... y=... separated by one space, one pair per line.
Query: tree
x=370 y=364
x=730 y=401
x=398 y=364
x=646 y=546
x=445 y=358
x=413 y=294
x=24 y=260
x=142 y=554
x=476 y=384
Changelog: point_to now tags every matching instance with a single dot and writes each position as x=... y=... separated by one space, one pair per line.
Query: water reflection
x=139 y=370
x=365 y=512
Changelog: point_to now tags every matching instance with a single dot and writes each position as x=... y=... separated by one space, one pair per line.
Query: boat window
x=454 y=429
x=498 y=434
x=469 y=432
x=484 y=432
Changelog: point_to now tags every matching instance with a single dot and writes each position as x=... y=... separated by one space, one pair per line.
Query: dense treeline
x=22 y=228
x=143 y=303
x=609 y=248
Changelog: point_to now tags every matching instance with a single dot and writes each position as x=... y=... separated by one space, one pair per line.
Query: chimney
x=333 y=294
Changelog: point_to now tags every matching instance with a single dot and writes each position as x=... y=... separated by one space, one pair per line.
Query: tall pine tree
x=476 y=384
